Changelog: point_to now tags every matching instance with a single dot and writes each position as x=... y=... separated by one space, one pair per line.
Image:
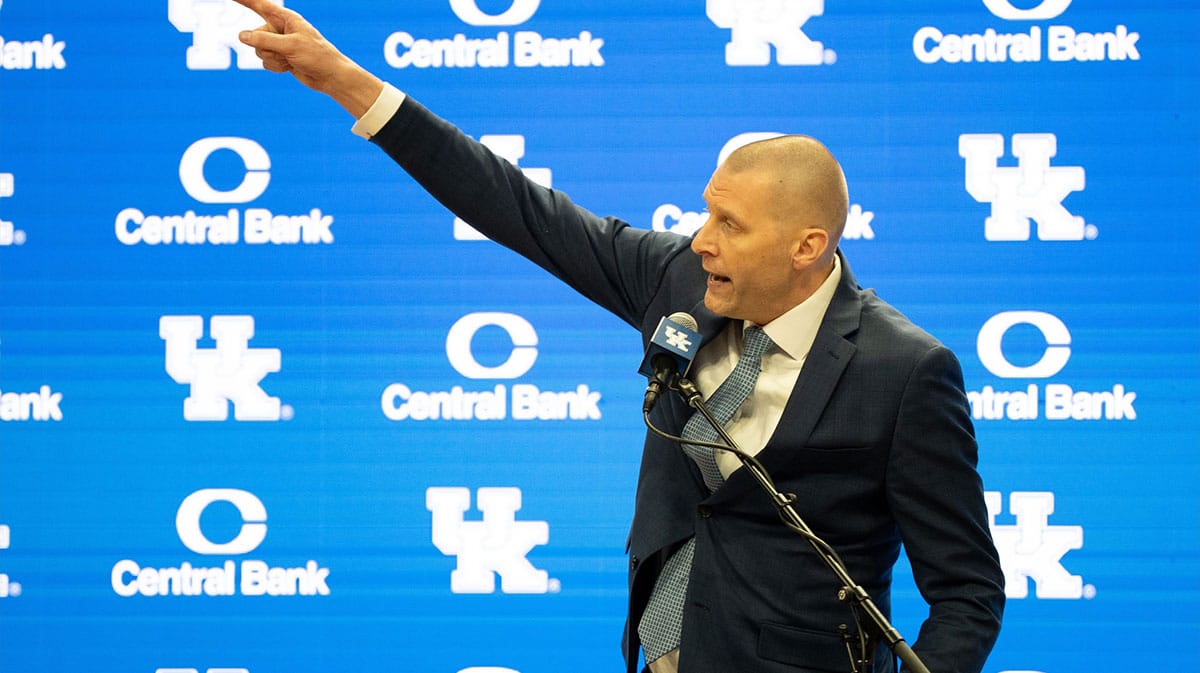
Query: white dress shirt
x=793 y=333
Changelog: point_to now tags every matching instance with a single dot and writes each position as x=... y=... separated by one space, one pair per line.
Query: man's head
x=776 y=212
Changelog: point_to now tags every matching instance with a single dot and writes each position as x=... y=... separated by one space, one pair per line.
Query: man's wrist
x=382 y=108
x=355 y=89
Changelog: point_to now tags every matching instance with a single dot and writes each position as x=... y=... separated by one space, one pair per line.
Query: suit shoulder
x=882 y=322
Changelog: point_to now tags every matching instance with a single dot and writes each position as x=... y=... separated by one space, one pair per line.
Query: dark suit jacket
x=876 y=442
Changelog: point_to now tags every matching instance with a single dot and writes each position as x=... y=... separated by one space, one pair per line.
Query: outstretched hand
x=289 y=43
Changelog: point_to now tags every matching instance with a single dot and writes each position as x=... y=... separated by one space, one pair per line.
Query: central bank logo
x=758 y=26
x=254 y=226
x=520 y=332
x=496 y=545
x=522 y=48
x=1033 y=190
x=1030 y=44
x=43 y=405
x=1048 y=9
x=518 y=12
x=1053 y=331
x=672 y=218
x=214 y=25
x=524 y=402
x=1032 y=549
x=229 y=373
x=252 y=511
x=511 y=148
x=42 y=54
x=249 y=578
x=1047 y=353
x=254 y=158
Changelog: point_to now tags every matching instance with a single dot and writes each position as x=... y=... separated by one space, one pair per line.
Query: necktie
x=661 y=623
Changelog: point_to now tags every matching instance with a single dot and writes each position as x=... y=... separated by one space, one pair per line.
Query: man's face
x=746 y=252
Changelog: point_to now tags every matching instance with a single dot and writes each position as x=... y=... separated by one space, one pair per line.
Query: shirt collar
x=795 y=330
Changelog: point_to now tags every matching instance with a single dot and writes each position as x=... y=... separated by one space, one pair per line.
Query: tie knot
x=755 y=342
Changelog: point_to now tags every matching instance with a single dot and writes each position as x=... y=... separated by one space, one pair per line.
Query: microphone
x=669 y=354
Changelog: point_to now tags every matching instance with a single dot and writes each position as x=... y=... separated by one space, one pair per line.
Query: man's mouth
x=717 y=278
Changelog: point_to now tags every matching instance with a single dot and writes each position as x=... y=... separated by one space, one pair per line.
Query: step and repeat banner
x=266 y=407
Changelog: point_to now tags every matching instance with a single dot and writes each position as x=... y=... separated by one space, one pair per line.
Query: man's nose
x=701 y=245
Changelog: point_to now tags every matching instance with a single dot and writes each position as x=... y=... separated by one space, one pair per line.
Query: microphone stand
x=850 y=592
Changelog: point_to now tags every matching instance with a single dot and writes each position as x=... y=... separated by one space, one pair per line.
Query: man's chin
x=716 y=306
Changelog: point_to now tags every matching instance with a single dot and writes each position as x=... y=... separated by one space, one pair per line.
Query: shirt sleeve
x=383 y=109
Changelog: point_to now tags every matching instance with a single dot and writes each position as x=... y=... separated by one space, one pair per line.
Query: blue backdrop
x=251 y=376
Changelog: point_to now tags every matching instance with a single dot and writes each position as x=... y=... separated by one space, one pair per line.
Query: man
x=845 y=402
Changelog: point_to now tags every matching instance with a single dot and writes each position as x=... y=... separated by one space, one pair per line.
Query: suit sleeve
x=614 y=265
x=937 y=498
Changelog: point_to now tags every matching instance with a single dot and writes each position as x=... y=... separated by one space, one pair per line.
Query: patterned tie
x=663 y=619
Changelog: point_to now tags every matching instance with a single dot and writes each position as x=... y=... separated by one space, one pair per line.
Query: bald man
x=847 y=404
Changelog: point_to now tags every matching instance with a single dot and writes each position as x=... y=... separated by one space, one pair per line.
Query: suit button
x=633 y=562
x=704 y=511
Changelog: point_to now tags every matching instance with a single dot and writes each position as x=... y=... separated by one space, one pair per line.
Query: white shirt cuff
x=383 y=109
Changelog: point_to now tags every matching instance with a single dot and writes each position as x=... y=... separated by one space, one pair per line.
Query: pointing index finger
x=269 y=11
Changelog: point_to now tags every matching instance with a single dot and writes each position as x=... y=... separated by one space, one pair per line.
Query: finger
x=276 y=64
x=266 y=41
x=267 y=55
x=275 y=16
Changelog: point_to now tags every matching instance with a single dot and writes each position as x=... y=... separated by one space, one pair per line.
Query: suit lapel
x=827 y=359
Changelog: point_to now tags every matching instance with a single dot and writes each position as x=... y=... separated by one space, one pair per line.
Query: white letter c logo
x=254 y=157
x=1047 y=10
x=254 y=517
x=524 y=340
x=519 y=12
x=1055 y=332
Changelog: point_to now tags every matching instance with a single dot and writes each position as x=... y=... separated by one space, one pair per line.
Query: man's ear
x=809 y=248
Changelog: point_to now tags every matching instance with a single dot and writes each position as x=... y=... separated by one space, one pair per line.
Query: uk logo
x=1031 y=190
x=498 y=544
x=757 y=26
x=7 y=588
x=1032 y=549
x=511 y=148
x=231 y=372
x=214 y=25
x=678 y=339
x=9 y=234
